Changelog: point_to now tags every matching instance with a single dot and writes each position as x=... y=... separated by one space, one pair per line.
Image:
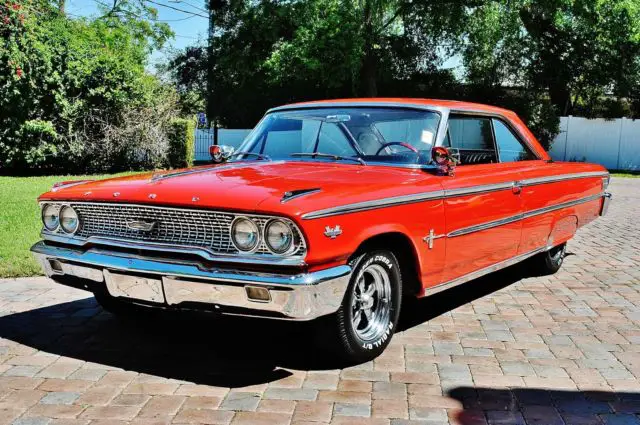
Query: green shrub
x=181 y=134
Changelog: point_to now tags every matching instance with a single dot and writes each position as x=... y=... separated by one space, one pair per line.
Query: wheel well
x=401 y=246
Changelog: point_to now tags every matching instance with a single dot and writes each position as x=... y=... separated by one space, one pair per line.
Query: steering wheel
x=403 y=144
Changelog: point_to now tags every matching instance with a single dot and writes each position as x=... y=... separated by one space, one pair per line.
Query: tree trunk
x=61 y=6
x=369 y=70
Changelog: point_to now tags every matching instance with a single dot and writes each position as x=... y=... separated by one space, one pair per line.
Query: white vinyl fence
x=204 y=139
x=612 y=143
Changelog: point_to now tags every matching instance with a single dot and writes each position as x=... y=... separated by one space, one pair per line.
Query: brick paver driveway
x=505 y=349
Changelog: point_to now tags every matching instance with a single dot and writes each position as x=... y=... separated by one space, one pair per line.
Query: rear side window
x=473 y=138
x=510 y=148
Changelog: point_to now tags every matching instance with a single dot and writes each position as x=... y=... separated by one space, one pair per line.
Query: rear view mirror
x=445 y=159
x=220 y=153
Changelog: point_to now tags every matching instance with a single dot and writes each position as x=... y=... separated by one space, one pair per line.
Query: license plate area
x=134 y=287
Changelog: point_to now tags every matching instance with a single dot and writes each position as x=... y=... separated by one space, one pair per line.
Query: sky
x=186 y=24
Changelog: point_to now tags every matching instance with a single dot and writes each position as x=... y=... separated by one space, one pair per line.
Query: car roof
x=453 y=105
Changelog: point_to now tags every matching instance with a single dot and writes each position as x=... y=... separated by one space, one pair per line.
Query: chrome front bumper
x=168 y=283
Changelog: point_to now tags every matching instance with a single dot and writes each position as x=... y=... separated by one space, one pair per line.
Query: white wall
x=612 y=143
x=204 y=139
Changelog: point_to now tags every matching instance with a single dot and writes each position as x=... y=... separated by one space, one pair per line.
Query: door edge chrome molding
x=482 y=272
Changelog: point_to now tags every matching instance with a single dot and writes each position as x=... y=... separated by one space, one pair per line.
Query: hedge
x=181 y=134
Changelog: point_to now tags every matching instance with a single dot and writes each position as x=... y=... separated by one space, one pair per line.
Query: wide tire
x=549 y=262
x=368 y=316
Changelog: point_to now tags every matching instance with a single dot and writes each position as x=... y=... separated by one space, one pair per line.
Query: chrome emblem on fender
x=332 y=232
x=143 y=226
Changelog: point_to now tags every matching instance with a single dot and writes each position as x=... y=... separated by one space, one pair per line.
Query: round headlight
x=50 y=217
x=69 y=219
x=245 y=234
x=278 y=236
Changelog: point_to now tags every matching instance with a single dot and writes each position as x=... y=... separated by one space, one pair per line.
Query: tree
x=67 y=83
x=577 y=51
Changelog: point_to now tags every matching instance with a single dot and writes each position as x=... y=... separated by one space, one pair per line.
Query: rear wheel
x=550 y=261
x=369 y=313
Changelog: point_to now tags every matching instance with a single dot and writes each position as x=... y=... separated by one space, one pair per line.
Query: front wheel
x=369 y=313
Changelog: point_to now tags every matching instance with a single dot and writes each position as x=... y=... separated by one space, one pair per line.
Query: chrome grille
x=173 y=226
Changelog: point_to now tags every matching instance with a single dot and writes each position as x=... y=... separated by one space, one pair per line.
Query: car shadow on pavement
x=205 y=349
x=418 y=311
x=520 y=406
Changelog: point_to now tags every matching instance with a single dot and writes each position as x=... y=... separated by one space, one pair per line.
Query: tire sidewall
x=357 y=347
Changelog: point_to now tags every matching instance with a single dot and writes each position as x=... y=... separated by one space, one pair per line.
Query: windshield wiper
x=258 y=155
x=328 y=155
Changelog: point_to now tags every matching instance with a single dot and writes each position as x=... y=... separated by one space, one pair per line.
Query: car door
x=482 y=206
x=512 y=148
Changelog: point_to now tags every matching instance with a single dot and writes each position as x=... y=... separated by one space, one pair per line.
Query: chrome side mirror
x=220 y=153
x=445 y=159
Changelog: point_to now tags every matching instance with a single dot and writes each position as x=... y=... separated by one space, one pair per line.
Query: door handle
x=516 y=188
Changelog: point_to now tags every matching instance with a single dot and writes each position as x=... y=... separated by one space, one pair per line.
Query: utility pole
x=212 y=110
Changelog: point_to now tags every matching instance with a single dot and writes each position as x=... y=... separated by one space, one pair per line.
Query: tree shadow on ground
x=520 y=406
x=205 y=349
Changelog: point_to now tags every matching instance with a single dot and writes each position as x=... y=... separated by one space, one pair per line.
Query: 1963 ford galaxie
x=336 y=208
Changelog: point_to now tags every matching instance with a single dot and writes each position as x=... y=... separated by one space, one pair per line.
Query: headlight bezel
x=61 y=226
x=258 y=233
x=57 y=208
x=291 y=247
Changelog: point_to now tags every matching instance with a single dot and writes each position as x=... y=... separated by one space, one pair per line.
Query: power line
x=178 y=9
x=189 y=4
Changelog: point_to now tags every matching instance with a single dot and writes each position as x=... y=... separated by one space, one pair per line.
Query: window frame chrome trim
x=505 y=120
x=443 y=112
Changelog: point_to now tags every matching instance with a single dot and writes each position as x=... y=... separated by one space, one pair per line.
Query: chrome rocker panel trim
x=482 y=272
x=303 y=296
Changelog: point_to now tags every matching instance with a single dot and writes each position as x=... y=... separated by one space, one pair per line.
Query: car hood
x=253 y=186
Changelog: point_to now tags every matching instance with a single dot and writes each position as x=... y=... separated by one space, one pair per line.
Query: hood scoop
x=292 y=194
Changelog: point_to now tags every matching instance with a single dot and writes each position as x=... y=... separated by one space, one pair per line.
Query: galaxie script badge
x=143 y=226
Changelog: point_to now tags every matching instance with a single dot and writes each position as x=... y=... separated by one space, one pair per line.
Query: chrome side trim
x=518 y=217
x=451 y=193
x=371 y=205
x=562 y=177
x=442 y=194
x=484 y=226
x=479 y=273
x=567 y=204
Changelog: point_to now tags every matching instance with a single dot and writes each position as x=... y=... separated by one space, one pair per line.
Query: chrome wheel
x=557 y=254
x=371 y=304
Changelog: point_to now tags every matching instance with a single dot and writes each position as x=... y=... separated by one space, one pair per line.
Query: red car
x=335 y=208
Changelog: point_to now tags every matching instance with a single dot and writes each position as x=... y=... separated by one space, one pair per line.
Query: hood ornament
x=332 y=232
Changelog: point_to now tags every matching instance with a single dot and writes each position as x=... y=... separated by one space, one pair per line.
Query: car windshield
x=356 y=135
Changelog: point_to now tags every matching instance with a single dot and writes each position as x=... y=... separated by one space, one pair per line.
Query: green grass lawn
x=631 y=174
x=20 y=221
